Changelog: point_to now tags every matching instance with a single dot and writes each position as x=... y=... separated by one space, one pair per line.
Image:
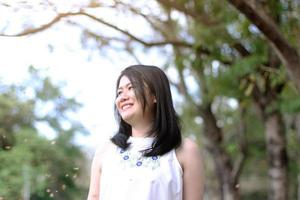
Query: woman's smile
x=126 y=106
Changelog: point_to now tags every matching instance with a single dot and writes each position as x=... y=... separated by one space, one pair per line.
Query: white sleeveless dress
x=127 y=175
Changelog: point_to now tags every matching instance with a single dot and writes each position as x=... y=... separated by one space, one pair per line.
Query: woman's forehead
x=124 y=81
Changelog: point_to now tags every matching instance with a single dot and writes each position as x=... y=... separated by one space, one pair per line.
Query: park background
x=234 y=68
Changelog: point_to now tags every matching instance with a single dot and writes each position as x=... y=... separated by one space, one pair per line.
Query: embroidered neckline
x=135 y=159
x=133 y=156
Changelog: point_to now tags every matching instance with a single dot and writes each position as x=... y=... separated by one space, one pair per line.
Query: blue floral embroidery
x=126 y=157
x=122 y=151
x=131 y=159
x=154 y=157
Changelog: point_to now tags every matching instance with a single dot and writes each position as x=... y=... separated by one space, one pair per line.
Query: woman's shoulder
x=188 y=152
x=187 y=146
x=102 y=150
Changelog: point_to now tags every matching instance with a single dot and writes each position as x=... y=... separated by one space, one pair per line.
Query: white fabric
x=130 y=176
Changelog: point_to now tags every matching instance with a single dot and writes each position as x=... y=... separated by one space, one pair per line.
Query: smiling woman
x=131 y=109
x=147 y=158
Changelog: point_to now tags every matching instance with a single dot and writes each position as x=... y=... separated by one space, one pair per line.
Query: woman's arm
x=191 y=161
x=94 y=188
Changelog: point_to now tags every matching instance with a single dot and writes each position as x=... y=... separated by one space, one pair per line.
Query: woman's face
x=129 y=107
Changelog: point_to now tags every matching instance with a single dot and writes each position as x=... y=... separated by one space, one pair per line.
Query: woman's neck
x=141 y=131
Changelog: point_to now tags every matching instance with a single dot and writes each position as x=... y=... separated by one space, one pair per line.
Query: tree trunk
x=227 y=184
x=277 y=157
x=297 y=126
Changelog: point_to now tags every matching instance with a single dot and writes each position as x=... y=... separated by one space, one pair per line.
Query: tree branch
x=204 y=19
x=153 y=20
x=241 y=49
x=31 y=31
x=243 y=146
x=288 y=55
x=128 y=34
x=184 y=89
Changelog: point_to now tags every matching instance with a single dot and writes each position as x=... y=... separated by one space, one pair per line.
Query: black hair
x=166 y=127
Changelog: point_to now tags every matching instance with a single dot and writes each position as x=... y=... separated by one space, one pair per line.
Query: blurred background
x=234 y=68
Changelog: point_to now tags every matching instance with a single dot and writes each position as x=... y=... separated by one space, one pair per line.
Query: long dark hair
x=166 y=126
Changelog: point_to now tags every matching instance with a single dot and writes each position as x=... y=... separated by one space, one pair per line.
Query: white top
x=127 y=175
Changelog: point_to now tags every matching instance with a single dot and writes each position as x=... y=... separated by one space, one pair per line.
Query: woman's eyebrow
x=126 y=85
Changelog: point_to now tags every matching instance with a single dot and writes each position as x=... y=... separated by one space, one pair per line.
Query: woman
x=146 y=159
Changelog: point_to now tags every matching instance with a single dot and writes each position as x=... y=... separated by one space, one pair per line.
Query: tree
x=33 y=166
x=288 y=54
x=219 y=49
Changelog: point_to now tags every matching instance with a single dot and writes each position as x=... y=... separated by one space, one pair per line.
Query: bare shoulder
x=101 y=151
x=189 y=151
x=103 y=148
x=187 y=147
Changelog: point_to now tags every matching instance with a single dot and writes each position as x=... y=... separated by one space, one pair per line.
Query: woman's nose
x=123 y=96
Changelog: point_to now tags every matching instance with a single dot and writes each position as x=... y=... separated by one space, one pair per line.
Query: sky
x=89 y=76
x=92 y=82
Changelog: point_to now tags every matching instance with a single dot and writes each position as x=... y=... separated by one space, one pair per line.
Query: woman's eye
x=130 y=87
x=119 y=92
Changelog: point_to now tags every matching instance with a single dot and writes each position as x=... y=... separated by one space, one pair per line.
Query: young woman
x=146 y=159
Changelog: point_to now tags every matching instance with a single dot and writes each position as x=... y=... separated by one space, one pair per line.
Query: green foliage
x=52 y=167
x=14 y=114
x=47 y=168
x=14 y=163
x=255 y=195
x=191 y=123
x=289 y=100
x=249 y=75
x=231 y=81
x=223 y=70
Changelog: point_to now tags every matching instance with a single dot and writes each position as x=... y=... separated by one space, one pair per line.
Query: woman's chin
x=127 y=119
